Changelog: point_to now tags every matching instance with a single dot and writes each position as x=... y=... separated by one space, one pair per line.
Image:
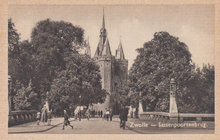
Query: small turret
x=119 y=52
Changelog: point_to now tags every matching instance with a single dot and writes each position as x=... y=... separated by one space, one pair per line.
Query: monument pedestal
x=173 y=105
x=174 y=118
x=140 y=109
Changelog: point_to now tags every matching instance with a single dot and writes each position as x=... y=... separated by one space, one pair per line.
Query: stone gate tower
x=113 y=69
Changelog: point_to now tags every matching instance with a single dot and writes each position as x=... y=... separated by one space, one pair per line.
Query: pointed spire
x=106 y=49
x=119 y=52
x=102 y=39
x=103 y=33
x=103 y=20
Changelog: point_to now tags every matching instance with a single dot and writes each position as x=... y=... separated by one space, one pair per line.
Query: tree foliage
x=51 y=42
x=200 y=97
x=163 y=58
x=26 y=98
x=52 y=62
x=19 y=67
x=13 y=37
x=78 y=84
x=121 y=95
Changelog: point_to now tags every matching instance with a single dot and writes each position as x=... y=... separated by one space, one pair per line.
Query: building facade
x=113 y=69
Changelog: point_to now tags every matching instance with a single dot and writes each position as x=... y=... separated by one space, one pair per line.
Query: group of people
x=108 y=114
x=123 y=116
x=95 y=113
x=44 y=116
x=86 y=113
x=92 y=113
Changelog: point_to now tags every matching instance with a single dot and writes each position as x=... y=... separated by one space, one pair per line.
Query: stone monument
x=173 y=106
x=140 y=107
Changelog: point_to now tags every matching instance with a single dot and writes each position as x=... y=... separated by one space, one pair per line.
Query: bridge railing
x=19 y=117
x=165 y=117
x=155 y=116
x=195 y=117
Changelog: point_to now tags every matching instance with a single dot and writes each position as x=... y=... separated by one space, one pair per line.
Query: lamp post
x=9 y=94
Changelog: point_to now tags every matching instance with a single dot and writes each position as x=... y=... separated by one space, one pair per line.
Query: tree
x=41 y=59
x=26 y=98
x=121 y=95
x=52 y=41
x=81 y=78
x=208 y=79
x=201 y=91
x=13 y=37
x=13 y=50
x=19 y=58
x=162 y=58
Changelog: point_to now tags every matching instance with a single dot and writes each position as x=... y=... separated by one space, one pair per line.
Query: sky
x=133 y=24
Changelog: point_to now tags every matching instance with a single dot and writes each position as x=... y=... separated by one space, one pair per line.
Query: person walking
x=49 y=116
x=93 y=113
x=80 y=114
x=123 y=117
x=107 y=115
x=87 y=114
x=66 y=120
x=101 y=113
x=76 y=113
x=120 y=117
x=44 y=114
x=38 y=118
x=111 y=114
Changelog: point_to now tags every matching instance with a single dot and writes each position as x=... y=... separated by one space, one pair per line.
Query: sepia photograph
x=111 y=69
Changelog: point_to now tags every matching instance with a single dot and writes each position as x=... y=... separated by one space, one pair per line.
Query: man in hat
x=123 y=117
x=66 y=120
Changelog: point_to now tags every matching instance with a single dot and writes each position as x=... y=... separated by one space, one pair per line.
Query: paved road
x=99 y=126
x=93 y=126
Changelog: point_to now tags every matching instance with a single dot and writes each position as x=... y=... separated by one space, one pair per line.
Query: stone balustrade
x=197 y=117
x=173 y=116
x=180 y=117
x=19 y=117
x=154 y=116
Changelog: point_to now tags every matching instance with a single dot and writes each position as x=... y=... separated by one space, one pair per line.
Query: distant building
x=113 y=69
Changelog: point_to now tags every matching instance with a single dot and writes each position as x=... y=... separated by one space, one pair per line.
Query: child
x=66 y=120
x=38 y=118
